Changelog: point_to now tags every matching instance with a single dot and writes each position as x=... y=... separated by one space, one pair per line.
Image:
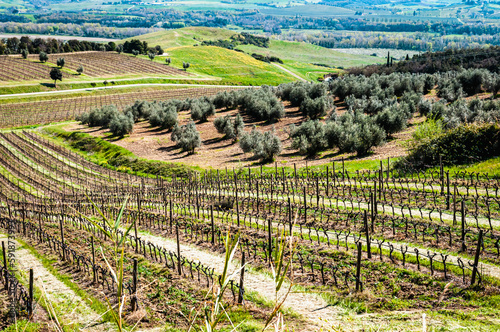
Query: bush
x=309 y=138
x=226 y=100
x=354 y=131
x=315 y=108
x=265 y=146
x=186 y=136
x=261 y=104
x=392 y=119
x=99 y=117
x=461 y=145
x=121 y=124
x=163 y=115
x=231 y=129
x=298 y=95
x=201 y=109
x=43 y=57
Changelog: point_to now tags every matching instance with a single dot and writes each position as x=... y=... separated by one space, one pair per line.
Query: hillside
x=308 y=53
x=229 y=65
x=183 y=37
x=299 y=57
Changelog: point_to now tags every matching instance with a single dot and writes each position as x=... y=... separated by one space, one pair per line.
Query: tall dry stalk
x=110 y=229
x=280 y=265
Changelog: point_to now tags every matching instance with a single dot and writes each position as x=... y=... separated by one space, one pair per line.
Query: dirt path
x=320 y=315
x=289 y=72
x=312 y=307
x=75 y=309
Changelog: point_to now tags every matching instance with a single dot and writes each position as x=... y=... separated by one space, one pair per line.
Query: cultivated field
x=111 y=64
x=15 y=114
x=366 y=241
x=151 y=143
x=15 y=68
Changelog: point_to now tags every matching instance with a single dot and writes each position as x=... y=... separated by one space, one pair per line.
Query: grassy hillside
x=308 y=53
x=294 y=51
x=229 y=65
x=183 y=37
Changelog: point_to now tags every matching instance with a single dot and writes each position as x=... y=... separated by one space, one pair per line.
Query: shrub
x=315 y=108
x=201 y=109
x=186 y=136
x=226 y=100
x=460 y=145
x=99 y=117
x=424 y=107
x=140 y=109
x=121 y=124
x=354 y=131
x=265 y=146
x=261 y=104
x=392 y=119
x=309 y=138
x=231 y=129
x=298 y=95
x=61 y=62
x=43 y=57
x=163 y=115
x=79 y=70
x=25 y=53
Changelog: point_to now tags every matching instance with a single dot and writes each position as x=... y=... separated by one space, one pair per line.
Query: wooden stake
x=367 y=231
x=62 y=239
x=212 y=223
x=133 y=301
x=242 y=278
x=30 y=296
x=93 y=259
x=178 y=248
x=462 y=209
x=358 y=269
x=6 y=271
x=476 y=257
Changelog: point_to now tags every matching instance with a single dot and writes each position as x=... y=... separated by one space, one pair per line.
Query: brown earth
x=151 y=143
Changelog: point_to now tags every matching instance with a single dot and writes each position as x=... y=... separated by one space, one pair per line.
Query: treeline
x=416 y=42
x=16 y=45
x=70 y=29
x=238 y=39
x=135 y=46
x=145 y=18
x=450 y=60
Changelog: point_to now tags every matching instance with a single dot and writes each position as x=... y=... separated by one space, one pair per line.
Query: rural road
x=289 y=72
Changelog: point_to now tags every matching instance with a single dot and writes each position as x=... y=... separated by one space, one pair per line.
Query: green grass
x=233 y=66
x=113 y=156
x=490 y=166
x=183 y=37
x=309 y=53
x=66 y=86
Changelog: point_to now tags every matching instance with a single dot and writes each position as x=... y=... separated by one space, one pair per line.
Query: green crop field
x=229 y=65
x=183 y=37
x=308 y=53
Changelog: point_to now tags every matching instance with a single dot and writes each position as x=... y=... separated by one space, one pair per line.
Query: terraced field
x=373 y=241
x=111 y=64
x=63 y=108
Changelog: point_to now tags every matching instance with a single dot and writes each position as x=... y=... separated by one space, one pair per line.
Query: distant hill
x=183 y=37
x=293 y=51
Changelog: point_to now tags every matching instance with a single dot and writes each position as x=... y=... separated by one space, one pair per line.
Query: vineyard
x=381 y=240
x=95 y=64
x=62 y=109
x=17 y=69
x=109 y=64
